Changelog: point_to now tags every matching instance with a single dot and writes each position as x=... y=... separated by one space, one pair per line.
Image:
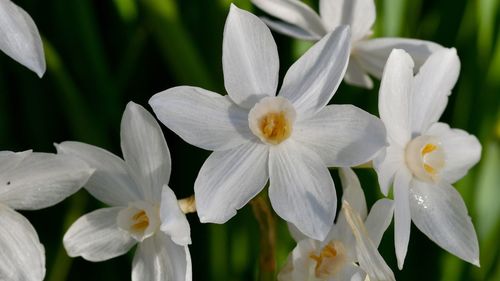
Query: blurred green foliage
x=101 y=54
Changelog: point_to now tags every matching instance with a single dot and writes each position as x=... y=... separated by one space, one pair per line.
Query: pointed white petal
x=356 y=75
x=96 y=236
x=9 y=160
x=353 y=193
x=342 y=135
x=373 y=53
x=295 y=232
x=301 y=189
x=313 y=79
x=394 y=96
x=145 y=151
x=295 y=13
x=249 y=58
x=379 y=219
x=22 y=256
x=462 y=151
x=110 y=183
x=369 y=258
x=440 y=213
x=202 y=118
x=290 y=29
x=20 y=38
x=433 y=85
x=42 y=180
x=359 y=14
x=229 y=179
x=299 y=265
x=173 y=221
x=402 y=215
x=158 y=258
x=387 y=163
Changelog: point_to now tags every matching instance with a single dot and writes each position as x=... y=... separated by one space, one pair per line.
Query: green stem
x=267 y=229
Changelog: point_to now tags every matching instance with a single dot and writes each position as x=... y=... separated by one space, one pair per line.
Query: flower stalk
x=267 y=230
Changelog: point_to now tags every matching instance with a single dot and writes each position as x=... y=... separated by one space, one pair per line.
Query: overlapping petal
x=9 y=160
x=402 y=215
x=97 y=237
x=173 y=221
x=202 y=118
x=249 y=58
x=353 y=193
x=229 y=179
x=387 y=163
x=356 y=75
x=379 y=219
x=290 y=29
x=301 y=189
x=342 y=135
x=20 y=38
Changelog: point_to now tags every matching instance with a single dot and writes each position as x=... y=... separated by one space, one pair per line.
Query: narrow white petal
x=369 y=258
x=387 y=163
x=229 y=179
x=158 y=258
x=359 y=14
x=379 y=219
x=301 y=189
x=342 y=135
x=20 y=38
x=462 y=151
x=402 y=215
x=394 y=96
x=110 y=183
x=22 y=256
x=295 y=13
x=290 y=29
x=433 y=85
x=202 y=118
x=96 y=236
x=42 y=180
x=9 y=160
x=173 y=221
x=440 y=213
x=353 y=193
x=313 y=79
x=373 y=53
x=249 y=58
x=356 y=75
x=145 y=151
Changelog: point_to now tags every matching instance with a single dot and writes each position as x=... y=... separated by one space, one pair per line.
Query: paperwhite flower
x=290 y=138
x=31 y=181
x=19 y=37
x=368 y=56
x=424 y=157
x=143 y=208
x=349 y=252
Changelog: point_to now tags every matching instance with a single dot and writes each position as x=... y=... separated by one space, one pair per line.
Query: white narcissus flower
x=349 y=252
x=368 y=56
x=19 y=37
x=31 y=181
x=143 y=208
x=425 y=157
x=290 y=138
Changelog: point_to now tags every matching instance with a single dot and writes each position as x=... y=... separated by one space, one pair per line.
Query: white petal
x=369 y=258
x=359 y=14
x=9 y=160
x=433 y=85
x=394 y=97
x=96 y=236
x=290 y=29
x=229 y=179
x=295 y=232
x=387 y=163
x=373 y=53
x=353 y=193
x=342 y=135
x=356 y=75
x=462 y=151
x=301 y=189
x=110 y=183
x=202 y=118
x=379 y=219
x=173 y=221
x=145 y=151
x=42 y=180
x=440 y=213
x=402 y=215
x=295 y=13
x=299 y=264
x=22 y=257
x=20 y=38
x=249 y=58
x=158 y=258
x=313 y=79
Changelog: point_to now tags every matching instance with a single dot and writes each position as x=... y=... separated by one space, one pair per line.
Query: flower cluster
x=285 y=140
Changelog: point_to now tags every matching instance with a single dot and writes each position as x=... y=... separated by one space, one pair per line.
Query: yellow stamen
x=141 y=221
x=275 y=127
x=428 y=148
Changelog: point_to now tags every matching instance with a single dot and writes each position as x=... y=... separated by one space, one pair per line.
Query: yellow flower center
x=425 y=158
x=275 y=127
x=330 y=260
x=141 y=221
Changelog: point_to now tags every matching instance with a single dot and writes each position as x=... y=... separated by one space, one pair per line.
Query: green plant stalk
x=267 y=229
